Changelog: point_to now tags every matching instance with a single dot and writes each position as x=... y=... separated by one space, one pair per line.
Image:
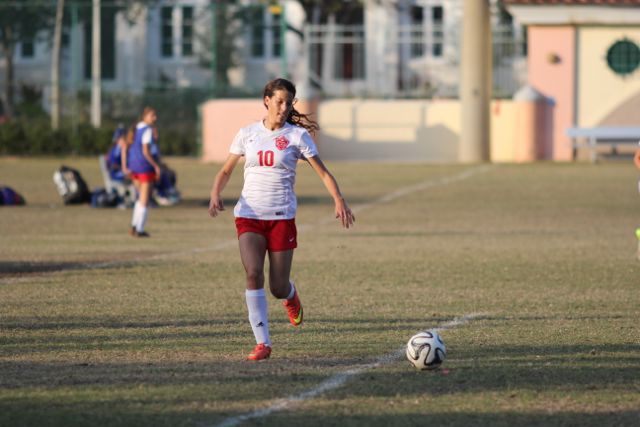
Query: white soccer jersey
x=271 y=158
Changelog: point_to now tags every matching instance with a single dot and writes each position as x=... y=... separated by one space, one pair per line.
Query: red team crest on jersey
x=282 y=143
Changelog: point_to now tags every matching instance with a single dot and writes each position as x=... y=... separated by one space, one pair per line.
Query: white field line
x=440 y=182
x=405 y=191
x=225 y=244
x=337 y=380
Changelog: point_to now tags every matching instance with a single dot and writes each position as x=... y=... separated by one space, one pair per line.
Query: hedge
x=21 y=137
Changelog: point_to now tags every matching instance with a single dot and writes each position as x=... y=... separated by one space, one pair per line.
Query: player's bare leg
x=253 y=248
x=279 y=271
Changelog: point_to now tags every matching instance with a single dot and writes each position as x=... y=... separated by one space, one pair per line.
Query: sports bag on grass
x=71 y=187
x=101 y=198
x=9 y=197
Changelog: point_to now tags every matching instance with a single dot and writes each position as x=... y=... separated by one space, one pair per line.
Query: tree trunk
x=55 y=68
x=7 y=50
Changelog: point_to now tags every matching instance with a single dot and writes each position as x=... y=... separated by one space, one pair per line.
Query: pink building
x=585 y=55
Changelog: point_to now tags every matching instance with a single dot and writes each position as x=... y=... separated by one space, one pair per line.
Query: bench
x=125 y=189
x=595 y=137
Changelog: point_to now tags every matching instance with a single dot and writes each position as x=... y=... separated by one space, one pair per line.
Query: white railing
x=405 y=62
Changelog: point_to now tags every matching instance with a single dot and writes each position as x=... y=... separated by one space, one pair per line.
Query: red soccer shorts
x=281 y=234
x=144 y=177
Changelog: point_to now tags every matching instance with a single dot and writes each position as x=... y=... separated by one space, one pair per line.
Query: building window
x=265 y=32
x=437 y=33
x=275 y=34
x=256 y=25
x=623 y=57
x=27 y=49
x=166 y=31
x=426 y=38
x=107 y=45
x=187 y=30
x=415 y=35
x=176 y=31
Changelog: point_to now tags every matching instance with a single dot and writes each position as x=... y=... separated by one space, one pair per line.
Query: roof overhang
x=562 y=14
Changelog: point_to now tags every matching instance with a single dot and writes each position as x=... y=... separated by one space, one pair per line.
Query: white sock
x=293 y=290
x=135 y=218
x=142 y=220
x=257 y=305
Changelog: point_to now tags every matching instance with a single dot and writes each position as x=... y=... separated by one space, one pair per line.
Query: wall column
x=476 y=82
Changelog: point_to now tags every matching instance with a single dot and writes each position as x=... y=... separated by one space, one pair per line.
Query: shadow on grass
x=134 y=413
x=508 y=369
x=125 y=394
x=28 y=267
x=19 y=268
x=117 y=334
x=100 y=393
x=344 y=325
x=80 y=323
x=478 y=370
x=431 y=417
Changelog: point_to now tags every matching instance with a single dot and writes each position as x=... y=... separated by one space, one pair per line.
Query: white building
x=400 y=48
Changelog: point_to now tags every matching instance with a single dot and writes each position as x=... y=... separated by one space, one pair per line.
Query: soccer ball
x=426 y=350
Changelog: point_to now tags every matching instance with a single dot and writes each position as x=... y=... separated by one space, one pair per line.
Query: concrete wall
x=221 y=120
x=410 y=130
x=600 y=90
x=503 y=131
x=393 y=131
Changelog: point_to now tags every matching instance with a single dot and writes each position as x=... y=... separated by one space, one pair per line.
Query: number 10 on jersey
x=266 y=158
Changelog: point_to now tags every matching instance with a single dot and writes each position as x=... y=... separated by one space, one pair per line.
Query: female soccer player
x=142 y=162
x=265 y=212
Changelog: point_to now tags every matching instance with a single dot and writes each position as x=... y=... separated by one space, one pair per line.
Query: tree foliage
x=20 y=21
x=345 y=12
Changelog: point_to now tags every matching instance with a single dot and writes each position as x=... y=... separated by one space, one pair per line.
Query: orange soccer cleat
x=260 y=352
x=294 y=309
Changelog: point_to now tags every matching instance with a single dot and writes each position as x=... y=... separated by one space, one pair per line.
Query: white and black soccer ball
x=426 y=350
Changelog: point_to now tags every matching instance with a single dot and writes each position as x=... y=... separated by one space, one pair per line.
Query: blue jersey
x=114 y=156
x=136 y=161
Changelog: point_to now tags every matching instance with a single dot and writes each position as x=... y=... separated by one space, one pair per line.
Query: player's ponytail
x=295 y=117
x=131 y=133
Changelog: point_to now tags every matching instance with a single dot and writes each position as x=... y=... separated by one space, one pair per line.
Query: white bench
x=594 y=137
x=126 y=190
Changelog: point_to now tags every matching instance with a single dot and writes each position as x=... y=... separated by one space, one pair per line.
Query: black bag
x=71 y=187
x=100 y=198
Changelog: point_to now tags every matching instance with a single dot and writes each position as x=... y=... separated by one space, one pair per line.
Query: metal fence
x=404 y=62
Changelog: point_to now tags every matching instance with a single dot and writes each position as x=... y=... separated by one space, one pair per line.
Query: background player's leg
x=142 y=206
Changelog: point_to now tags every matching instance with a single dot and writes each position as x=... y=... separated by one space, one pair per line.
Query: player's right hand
x=215 y=205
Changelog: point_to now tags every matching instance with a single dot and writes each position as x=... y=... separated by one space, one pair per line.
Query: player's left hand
x=347 y=218
x=215 y=205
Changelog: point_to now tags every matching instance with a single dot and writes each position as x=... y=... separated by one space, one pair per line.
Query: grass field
x=100 y=329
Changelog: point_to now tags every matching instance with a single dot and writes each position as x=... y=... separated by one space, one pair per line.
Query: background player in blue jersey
x=143 y=164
